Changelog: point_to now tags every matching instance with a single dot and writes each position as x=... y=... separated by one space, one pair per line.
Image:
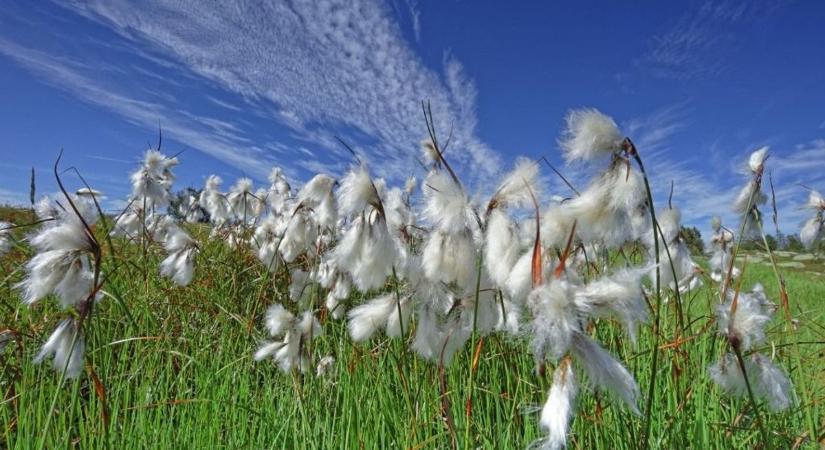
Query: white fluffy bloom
x=356 y=191
x=324 y=366
x=746 y=322
x=449 y=258
x=279 y=182
x=429 y=152
x=214 y=201
x=768 y=381
x=317 y=195
x=59 y=346
x=519 y=281
x=409 y=185
x=604 y=210
x=722 y=245
x=556 y=224
x=397 y=323
x=559 y=408
x=555 y=319
x=290 y=352
x=278 y=195
x=811 y=231
x=367 y=252
x=89 y=193
x=604 y=371
x=267 y=238
x=278 y=320
x=446 y=205
x=727 y=374
x=367 y=318
x=750 y=195
x=619 y=295
x=589 y=135
x=501 y=247
x=340 y=291
x=47 y=209
x=429 y=338
x=517 y=185
x=399 y=215
x=5 y=237
x=815 y=201
x=771 y=383
x=179 y=265
x=61 y=264
x=242 y=200
x=299 y=236
x=757 y=159
x=153 y=180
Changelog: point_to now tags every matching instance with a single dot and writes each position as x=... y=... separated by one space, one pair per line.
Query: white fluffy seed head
x=356 y=191
x=619 y=295
x=811 y=231
x=367 y=318
x=278 y=320
x=746 y=322
x=559 y=408
x=727 y=374
x=449 y=258
x=446 y=205
x=815 y=201
x=604 y=371
x=316 y=189
x=409 y=185
x=670 y=223
x=555 y=319
x=757 y=159
x=501 y=247
x=5 y=237
x=589 y=135
x=429 y=152
x=772 y=384
x=516 y=188
x=59 y=346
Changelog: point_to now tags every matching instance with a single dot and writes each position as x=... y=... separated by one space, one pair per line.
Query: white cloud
x=697 y=44
x=202 y=134
x=415 y=16
x=320 y=65
x=702 y=192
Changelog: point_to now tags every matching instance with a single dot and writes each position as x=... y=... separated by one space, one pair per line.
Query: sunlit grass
x=176 y=371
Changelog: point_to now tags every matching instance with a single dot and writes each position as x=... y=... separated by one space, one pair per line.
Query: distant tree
x=772 y=243
x=793 y=244
x=693 y=240
x=179 y=205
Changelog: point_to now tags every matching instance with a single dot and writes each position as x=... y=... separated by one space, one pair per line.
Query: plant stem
x=654 y=365
x=471 y=382
x=759 y=421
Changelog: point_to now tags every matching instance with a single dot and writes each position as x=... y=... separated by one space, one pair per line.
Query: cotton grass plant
x=438 y=277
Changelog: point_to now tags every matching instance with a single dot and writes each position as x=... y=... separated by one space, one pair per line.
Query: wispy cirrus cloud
x=314 y=66
x=697 y=45
x=199 y=132
x=702 y=191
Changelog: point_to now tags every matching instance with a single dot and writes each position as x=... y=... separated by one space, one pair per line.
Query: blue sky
x=238 y=89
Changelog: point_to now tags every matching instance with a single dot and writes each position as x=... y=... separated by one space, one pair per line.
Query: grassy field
x=175 y=370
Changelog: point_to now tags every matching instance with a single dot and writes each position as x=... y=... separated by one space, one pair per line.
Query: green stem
x=759 y=421
x=471 y=377
x=654 y=365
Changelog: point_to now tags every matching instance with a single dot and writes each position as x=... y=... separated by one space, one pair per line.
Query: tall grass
x=176 y=371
